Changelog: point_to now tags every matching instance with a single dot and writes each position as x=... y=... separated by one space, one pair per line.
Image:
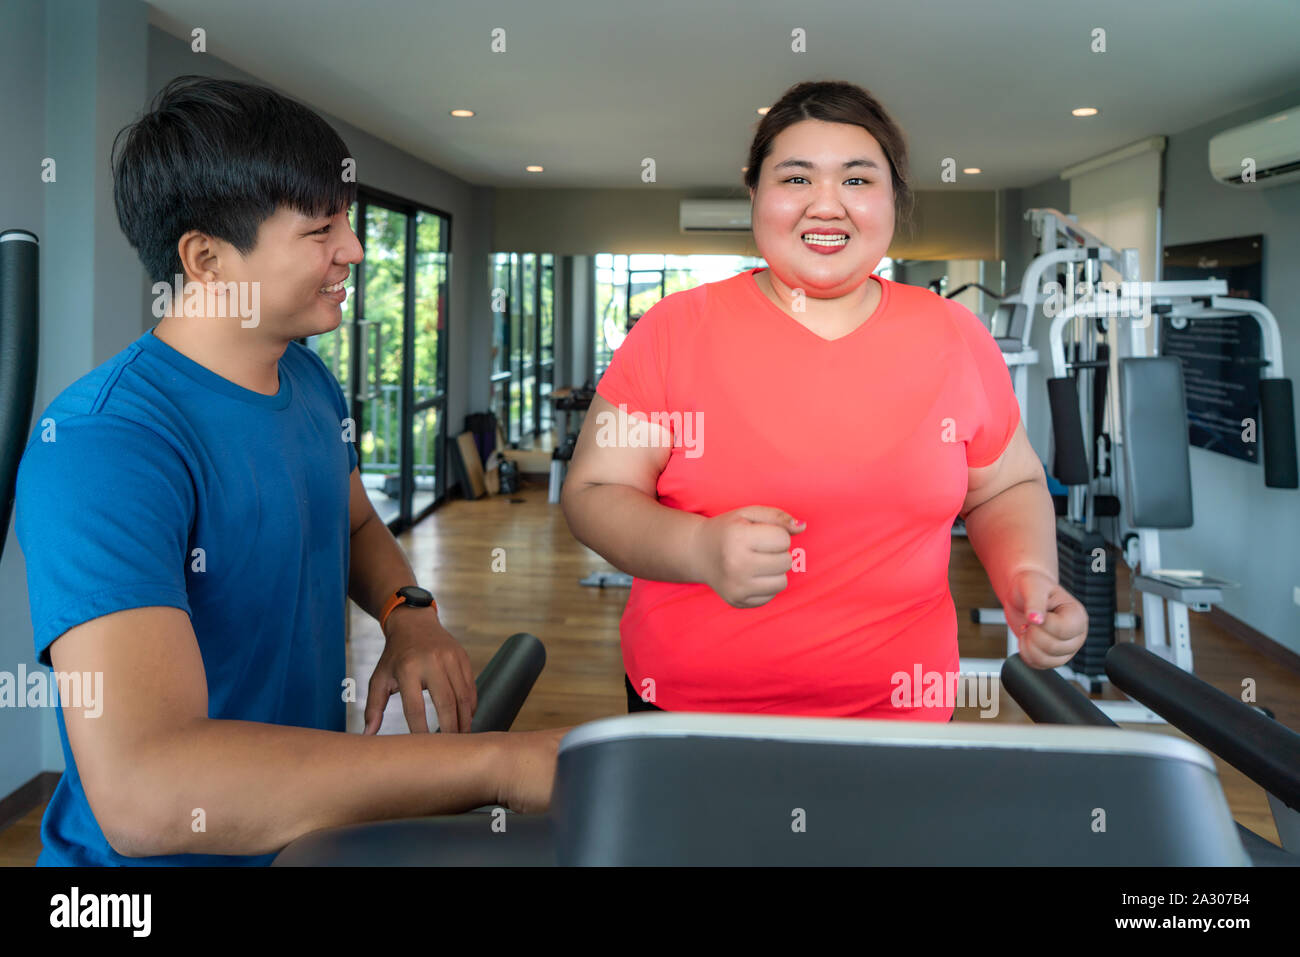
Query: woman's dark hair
x=220 y=157
x=836 y=101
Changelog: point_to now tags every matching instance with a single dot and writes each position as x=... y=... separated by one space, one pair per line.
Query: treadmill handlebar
x=1264 y=750
x=1048 y=698
x=504 y=683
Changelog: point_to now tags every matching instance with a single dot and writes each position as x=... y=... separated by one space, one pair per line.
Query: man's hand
x=527 y=769
x=1049 y=621
x=418 y=654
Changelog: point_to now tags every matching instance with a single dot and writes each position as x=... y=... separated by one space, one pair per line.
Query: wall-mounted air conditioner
x=714 y=216
x=1273 y=144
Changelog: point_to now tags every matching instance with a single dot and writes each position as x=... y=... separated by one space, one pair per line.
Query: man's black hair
x=221 y=156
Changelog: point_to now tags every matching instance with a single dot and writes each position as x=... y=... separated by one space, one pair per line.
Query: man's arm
x=378 y=564
x=419 y=652
x=153 y=763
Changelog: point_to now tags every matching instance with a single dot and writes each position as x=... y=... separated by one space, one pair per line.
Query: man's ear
x=195 y=252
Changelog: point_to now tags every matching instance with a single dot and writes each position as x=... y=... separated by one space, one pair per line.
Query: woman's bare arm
x=611 y=503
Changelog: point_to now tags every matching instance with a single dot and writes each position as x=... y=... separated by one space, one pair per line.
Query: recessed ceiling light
x=462 y=112
x=971 y=169
x=762 y=110
x=533 y=169
x=1085 y=111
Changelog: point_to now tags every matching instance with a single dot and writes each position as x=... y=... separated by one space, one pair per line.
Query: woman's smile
x=825 y=242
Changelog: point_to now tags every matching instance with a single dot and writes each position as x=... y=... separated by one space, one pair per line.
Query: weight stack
x=1095 y=590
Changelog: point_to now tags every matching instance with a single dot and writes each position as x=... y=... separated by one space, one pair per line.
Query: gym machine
x=19 y=340
x=1243 y=736
x=1144 y=454
x=721 y=789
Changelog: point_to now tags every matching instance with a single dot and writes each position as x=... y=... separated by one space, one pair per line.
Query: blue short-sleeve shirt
x=153 y=481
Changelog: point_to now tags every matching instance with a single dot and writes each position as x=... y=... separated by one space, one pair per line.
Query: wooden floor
x=452 y=553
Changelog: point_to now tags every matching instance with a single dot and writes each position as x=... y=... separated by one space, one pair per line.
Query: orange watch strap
x=393 y=602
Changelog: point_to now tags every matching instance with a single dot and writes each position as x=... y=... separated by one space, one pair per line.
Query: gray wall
x=575 y=279
x=22 y=206
x=583 y=360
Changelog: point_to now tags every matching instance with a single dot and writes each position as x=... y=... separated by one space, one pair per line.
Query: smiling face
x=296 y=256
x=829 y=178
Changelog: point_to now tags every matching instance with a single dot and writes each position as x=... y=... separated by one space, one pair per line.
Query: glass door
x=429 y=378
x=499 y=297
x=380 y=331
x=528 y=346
x=523 y=344
x=546 y=345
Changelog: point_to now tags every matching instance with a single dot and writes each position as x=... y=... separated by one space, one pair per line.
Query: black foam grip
x=1262 y=749
x=1067 y=427
x=1100 y=378
x=505 y=681
x=1278 y=428
x=1047 y=698
x=19 y=337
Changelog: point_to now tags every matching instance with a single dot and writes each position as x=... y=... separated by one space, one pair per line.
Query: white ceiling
x=588 y=88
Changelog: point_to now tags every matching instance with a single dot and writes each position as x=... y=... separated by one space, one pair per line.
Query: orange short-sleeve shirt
x=866 y=438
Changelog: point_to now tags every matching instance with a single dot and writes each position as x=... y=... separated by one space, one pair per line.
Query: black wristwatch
x=412 y=595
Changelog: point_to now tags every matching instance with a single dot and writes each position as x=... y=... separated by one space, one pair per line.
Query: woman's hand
x=744 y=554
x=1049 y=621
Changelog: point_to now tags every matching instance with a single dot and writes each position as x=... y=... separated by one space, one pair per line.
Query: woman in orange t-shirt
x=778 y=458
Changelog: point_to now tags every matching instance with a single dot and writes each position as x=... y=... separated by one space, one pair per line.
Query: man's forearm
x=378 y=567
x=260 y=786
x=1015 y=529
x=633 y=532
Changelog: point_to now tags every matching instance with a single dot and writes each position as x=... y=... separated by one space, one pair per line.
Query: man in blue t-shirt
x=193 y=521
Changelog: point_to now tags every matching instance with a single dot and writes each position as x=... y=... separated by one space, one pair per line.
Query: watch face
x=416 y=596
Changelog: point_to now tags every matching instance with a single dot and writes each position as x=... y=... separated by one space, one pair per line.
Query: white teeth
x=334 y=288
x=816 y=240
